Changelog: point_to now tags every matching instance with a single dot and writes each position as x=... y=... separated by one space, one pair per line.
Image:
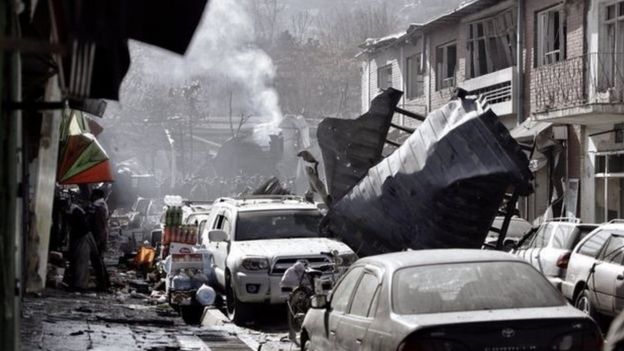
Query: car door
x=542 y=237
x=609 y=274
x=338 y=306
x=220 y=249
x=353 y=326
x=525 y=245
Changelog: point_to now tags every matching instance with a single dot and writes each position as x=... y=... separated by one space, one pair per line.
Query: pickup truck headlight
x=348 y=259
x=255 y=263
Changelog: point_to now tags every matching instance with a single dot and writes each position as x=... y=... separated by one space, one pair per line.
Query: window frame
x=385 y=71
x=604 y=176
x=445 y=80
x=412 y=78
x=372 y=297
x=541 y=27
x=340 y=283
x=497 y=39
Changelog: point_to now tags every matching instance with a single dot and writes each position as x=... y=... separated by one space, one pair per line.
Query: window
x=471 y=286
x=278 y=224
x=551 y=36
x=363 y=298
x=593 y=244
x=491 y=44
x=611 y=58
x=446 y=60
x=342 y=293
x=384 y=77
x=609 y=186
x=415 y=79
x=222 y=223
x=543 y=235
x=614 y=250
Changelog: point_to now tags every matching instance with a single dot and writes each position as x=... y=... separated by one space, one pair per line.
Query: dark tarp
x=440 y=189
x=110 y=23
x=351 y=147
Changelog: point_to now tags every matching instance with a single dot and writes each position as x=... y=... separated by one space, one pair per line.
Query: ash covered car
x=446 y=300
x=254 y=240
x=549 y=248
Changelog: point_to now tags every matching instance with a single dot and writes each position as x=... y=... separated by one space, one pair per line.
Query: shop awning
x=82 y=159
x=529 y=129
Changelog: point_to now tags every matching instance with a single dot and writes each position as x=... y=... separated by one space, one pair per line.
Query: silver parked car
x=595 y=277
x=446 y=300
x=549 y=248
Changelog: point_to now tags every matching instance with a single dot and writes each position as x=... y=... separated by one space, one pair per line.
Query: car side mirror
x=319 y=301
x=217 y=235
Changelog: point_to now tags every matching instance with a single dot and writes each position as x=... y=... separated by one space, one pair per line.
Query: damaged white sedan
x=452 y=300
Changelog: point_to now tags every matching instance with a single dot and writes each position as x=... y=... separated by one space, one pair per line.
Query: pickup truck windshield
x=282 y=224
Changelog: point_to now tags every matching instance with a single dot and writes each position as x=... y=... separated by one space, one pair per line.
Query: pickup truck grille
x=283 y=263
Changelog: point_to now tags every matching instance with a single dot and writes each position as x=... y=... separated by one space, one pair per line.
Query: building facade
x=566 y=96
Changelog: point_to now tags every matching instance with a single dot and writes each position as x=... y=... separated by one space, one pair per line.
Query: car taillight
x=563 y=260
x=431 y=345
x=581 y=341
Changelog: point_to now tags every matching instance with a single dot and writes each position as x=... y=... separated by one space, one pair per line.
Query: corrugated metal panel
x=440 y=189
x=351 y=147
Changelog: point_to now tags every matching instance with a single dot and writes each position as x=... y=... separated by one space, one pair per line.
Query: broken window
x=384 y=77
x=611 y=56
x=491 y=44
x=551 y=36
x=446 y=60
x=415 y=79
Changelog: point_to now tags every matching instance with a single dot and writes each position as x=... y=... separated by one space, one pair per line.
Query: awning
x=529 y=129
x=81 y=159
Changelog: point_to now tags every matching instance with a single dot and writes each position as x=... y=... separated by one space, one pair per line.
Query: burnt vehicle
x=446 y=300
x=441 y=188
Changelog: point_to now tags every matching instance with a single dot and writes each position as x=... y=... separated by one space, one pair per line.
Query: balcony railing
x=595 y=78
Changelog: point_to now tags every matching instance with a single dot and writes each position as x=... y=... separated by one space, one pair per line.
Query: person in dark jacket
x=82 y=250
x=99 y=219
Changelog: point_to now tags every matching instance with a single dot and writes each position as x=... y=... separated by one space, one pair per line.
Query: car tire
x=583 y=303
x=237 y=311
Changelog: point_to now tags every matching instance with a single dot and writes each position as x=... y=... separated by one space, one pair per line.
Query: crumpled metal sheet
x=440 y=189
x=351 y=147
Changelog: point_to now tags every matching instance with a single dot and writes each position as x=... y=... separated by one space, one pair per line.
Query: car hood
x=290 y=247
x=517 y=314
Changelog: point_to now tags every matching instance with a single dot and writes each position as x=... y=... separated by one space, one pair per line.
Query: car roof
x=266 y=203
x=398 y=260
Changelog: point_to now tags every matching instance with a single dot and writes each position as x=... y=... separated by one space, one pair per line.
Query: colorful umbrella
x=82 y=158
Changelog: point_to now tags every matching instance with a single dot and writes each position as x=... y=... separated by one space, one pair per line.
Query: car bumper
x=264 y=288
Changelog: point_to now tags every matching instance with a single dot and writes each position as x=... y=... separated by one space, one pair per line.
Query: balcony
x=587 y=89
x=497 y=87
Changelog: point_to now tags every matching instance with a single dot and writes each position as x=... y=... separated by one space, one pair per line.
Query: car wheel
x=238 y=312
x=583 y=303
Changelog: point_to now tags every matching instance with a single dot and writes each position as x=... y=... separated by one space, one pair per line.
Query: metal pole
x=520 y=62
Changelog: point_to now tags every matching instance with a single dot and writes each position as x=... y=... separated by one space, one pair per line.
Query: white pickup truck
x=254 y=240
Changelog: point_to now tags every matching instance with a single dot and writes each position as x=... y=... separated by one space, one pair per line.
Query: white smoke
x=223 y=47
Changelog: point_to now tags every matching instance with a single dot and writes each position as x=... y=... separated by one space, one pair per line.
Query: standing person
x=83 y=249
x=99 y=219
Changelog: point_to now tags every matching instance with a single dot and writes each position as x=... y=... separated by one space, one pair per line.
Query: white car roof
x=266 y=203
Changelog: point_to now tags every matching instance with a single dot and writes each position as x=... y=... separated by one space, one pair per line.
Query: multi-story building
x=565 y=97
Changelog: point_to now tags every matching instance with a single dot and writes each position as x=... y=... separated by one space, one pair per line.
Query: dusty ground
x=58 y=320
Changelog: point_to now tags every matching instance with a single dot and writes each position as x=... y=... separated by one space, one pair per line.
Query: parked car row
x=416 y=300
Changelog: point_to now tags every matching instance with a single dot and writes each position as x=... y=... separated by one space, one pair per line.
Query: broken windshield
x=283 y=224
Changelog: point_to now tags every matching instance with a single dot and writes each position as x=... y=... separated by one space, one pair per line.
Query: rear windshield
x=565 y=236
x=256 y=225
x=471 y=287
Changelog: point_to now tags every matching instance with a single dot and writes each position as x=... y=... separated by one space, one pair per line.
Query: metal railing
x=581 y=80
